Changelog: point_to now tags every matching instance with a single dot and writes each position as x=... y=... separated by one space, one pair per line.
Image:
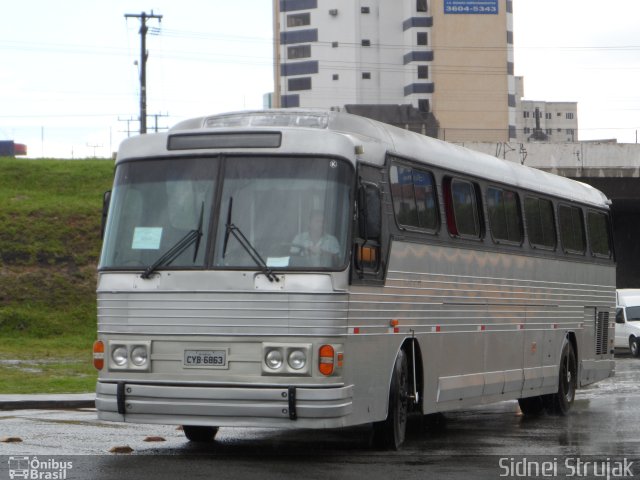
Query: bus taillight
x=98 y=354
x=326 y=355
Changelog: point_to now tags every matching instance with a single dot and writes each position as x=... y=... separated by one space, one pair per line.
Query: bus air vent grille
x=602 y=333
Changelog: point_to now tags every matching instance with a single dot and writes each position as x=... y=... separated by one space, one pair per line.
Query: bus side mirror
x=106 y=201
x=369 y=212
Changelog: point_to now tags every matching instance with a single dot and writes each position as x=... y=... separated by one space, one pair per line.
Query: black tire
x=196 y=433
x=634 y=346
x=560 y=403
x=390 y=433
x=531 y=406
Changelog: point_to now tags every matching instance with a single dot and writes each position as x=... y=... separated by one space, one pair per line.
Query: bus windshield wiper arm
x=170 y=255
x=232 y=229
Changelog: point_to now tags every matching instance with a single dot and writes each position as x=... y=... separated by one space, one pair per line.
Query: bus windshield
x=155 y=204
x=292 y=212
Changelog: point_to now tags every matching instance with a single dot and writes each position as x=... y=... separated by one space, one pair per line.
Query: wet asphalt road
x=484 y=442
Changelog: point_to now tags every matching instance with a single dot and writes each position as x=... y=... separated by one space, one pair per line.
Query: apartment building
x=540 y=121
x=450 y=61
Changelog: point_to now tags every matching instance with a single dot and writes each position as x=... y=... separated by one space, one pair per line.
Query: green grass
x=50 y=213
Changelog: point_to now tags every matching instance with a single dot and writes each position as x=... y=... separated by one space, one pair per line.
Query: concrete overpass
x=610 y=167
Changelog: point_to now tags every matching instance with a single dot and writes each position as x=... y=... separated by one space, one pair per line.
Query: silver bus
x=315 y=269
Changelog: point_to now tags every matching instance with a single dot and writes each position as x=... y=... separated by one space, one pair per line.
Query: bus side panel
x=491 y=326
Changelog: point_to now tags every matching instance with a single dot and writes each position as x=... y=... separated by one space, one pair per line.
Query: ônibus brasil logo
x=36 y=469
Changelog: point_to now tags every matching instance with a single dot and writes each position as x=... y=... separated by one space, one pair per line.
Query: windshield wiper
x=193 y=236
x=232 y=229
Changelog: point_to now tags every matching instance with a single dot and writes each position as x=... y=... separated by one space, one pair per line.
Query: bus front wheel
x=560 y=403
x=195 y=433
x=390 y=433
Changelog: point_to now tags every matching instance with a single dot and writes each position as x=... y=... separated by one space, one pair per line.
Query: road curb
x=57 y=401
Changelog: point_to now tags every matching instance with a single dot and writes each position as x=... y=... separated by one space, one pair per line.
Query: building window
x=422 y=38
x=421 y=5
x=423 y=105
x=526 y=114
x=334 y=44
x=366 y=75
x=299 y=51
x=423 y=71
x=559 y=114
x=527 y=130
x=547 y=116
x=298 y=20
x=366 y=43
x=365 y=10
x=293 y=5
x=303 y=83
x=299 y=36
x=569 y=116
x=336 y=76
x=549 y=131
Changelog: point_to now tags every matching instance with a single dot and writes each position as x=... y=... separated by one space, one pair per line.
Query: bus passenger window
x=571 y=229
x=541 y=226
x=465 y=220
x=599 y=234
x=414 y=197
x=504 y=215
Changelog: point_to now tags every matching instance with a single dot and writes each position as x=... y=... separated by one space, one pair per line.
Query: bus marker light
x=98 y=354
x=340 y=359
x=326 y=356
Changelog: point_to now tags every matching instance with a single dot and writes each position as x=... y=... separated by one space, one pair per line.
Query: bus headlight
x=129 y=355
x=274 y=359
x=119 y=356
x=139 y=356
x=297 y=359
x=286 y=359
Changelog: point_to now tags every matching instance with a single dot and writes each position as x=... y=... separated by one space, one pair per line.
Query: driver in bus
x=320 y=247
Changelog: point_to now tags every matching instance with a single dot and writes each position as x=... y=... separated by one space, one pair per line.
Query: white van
x=628 y=320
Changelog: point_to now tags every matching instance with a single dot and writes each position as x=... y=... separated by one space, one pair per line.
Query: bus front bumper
x=285 y=406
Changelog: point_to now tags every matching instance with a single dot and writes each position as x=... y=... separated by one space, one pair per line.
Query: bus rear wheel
x=560 y=403
x=390 y=433
x=196 y=433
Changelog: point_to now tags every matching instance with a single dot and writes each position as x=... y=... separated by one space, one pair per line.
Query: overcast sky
x=68 y=79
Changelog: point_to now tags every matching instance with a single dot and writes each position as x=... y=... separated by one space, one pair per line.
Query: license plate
x=205 y=358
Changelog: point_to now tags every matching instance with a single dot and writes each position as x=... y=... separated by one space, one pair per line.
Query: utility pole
x=144 y=55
